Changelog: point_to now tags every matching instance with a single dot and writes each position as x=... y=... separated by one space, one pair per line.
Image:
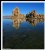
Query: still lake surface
x=26 y=36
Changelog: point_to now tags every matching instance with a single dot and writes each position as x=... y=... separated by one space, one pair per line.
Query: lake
x=24 y=35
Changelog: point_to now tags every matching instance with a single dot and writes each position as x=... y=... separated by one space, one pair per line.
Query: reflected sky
x=26 y=36
x=23 y=7
x=33 y=22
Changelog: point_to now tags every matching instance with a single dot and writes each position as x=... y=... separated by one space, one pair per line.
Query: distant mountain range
x=6 y=17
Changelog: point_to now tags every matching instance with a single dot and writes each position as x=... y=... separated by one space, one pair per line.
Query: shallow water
x=23 y=36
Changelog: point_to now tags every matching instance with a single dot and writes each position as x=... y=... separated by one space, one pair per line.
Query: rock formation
x=33 y=14
x=31 y=17
x=17 y=17
x=34 y=18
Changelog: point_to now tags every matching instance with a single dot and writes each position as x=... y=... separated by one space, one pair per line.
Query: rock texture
x=16 y=14
x=31 y=17
x=33 y=14
x=17 y=18
x=34 y=18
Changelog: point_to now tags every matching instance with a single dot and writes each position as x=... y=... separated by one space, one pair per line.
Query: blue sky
x=23 y=7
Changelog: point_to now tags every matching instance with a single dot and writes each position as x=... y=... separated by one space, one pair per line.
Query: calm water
x=25 y=36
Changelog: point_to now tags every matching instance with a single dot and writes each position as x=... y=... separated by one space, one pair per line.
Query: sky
x=23 y=7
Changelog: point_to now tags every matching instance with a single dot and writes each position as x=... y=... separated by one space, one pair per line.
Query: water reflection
x=33 y=22
x=16 y=24
x=26 y=37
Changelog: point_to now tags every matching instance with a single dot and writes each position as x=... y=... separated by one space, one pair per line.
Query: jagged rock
x=16 y=16
x=33 y=14
x=15 y=12
x=34 y=18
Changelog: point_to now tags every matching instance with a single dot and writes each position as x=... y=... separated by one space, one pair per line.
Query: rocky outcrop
x=33 y=14
x=16 y=14
x=40 y=16
x=31 y=17
x=17 y=18
x=34 y=18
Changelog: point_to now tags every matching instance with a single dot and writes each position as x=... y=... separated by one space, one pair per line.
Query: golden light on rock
x=32 y=18
x=17 y=18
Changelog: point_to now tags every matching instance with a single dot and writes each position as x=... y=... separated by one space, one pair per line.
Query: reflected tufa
x=16 y=17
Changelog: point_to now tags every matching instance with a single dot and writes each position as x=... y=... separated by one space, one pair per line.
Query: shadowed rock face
x=33 y=14
x=34 y=18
